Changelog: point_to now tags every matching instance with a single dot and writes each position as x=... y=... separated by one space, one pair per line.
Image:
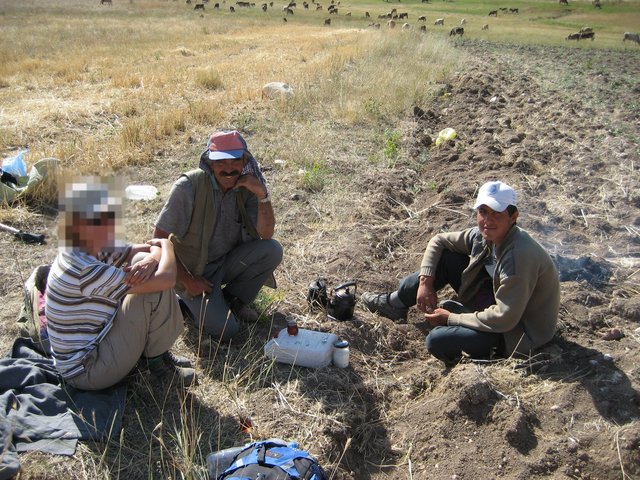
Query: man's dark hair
x=511 y=209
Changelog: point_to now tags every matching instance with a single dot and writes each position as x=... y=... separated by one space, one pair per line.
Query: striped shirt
x=83 y=296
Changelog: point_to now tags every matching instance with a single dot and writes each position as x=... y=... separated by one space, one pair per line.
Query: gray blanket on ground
x=38 y=412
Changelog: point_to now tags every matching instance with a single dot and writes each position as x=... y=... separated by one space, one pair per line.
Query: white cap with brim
x=223 y=155
x=497 y=196
x=90 y=199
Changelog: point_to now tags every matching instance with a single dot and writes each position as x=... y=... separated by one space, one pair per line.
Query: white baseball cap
x=497 y=196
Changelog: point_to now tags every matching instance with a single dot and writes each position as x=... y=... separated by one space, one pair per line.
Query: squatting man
x=220 y=220
x=506 y=283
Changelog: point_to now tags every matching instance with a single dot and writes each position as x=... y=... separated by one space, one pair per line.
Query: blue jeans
x=448 y=343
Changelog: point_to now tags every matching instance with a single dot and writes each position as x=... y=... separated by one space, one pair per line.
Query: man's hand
x=195 y=286
x=426 y=298
x=253 y=184
x=439 y=317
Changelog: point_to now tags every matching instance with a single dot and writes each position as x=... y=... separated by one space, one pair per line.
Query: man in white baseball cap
x=507 y=286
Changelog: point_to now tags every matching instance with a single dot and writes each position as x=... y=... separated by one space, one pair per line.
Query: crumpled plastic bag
x=42 y=171
x=16 y=166
x=446 y=135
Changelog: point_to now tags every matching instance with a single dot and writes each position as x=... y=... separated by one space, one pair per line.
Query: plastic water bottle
x=341 y=354
x=218 y=462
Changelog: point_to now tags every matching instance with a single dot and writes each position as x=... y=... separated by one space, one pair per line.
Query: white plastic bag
x=141 y=192
x=16 y=166
x=445 y=135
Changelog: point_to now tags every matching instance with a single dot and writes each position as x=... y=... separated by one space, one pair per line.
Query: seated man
x=506 y=283
x=220 y=220
x=104 y=309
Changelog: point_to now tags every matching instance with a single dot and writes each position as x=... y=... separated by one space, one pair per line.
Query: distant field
x=136 y=74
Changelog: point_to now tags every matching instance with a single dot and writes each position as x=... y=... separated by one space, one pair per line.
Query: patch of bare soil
x=560 y=125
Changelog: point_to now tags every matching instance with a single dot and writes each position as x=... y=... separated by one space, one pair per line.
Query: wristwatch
x=266 y=199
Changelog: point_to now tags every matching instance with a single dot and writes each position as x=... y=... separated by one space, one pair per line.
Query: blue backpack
x=268 y=460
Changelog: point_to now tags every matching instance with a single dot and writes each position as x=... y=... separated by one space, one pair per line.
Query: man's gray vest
x=193 y=249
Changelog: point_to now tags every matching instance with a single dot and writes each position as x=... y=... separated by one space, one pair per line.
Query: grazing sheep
x=406 y=26
x=231 y=9
x=105 y=2
x=439 y=21
x=422 y=18
x=188 y=2
x=493 y=13
x=597 y=4
x=216 y=6
x=264 y=7
x=327 y=21
x=634 y=37
x=318 y=7
x=366 y=15
x=333 y=11
x=463 y=21
x=456 y=31
x=199 y=6
x=423 y=29
x=485 y=27
x=348 y=14
x=573 y=36
x=289 y=11
x=590 y=35
x=563 y=2
x=391 y=24
x=513 y=10
x=403 y=15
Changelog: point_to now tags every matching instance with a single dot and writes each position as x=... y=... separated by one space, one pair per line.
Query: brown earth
x=560 y=125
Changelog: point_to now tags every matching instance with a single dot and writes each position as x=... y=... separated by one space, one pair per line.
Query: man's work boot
x=163 y=369
x=379 y=303
x=177 y=360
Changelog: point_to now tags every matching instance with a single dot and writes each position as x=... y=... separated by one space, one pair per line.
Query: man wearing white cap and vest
x=220 y=220
x=507 y=286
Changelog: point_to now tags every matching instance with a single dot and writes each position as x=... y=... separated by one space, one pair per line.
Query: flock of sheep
x=393 y=17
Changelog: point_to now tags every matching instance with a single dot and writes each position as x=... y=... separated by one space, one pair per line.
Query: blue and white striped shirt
x=82 y=297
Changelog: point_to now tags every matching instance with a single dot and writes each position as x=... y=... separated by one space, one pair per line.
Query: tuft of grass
x=314 y=177
x=208 y=79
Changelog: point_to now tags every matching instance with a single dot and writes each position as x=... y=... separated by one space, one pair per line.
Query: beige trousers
x=145 y=325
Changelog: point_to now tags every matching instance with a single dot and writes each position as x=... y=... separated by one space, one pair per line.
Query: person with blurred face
x=220 y=220
x=110 y=306
x=507 y=286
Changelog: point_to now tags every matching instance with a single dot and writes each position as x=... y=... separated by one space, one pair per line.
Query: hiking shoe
x=242 y=311
x=177 y=360
x=165 y=371
x=379 y=303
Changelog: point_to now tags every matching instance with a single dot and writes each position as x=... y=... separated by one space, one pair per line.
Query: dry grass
x=134 y=89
